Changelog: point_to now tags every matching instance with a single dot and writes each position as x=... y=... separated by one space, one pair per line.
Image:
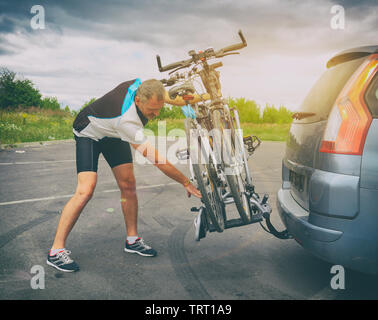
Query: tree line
x=19 y=92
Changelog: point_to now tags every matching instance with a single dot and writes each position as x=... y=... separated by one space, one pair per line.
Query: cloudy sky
x=89 y=46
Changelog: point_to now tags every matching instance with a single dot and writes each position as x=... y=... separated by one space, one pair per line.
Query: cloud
x=268 y=24
x=88 y=47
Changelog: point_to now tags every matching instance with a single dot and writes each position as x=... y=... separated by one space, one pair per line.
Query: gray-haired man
x=110 y=125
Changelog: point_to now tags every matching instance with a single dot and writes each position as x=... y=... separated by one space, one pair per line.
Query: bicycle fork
x=241 y=146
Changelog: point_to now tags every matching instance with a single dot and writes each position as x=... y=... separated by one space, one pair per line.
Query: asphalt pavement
x=241 y=263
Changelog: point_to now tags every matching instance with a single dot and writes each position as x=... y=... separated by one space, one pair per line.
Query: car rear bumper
x=334 y=246
x=295 y=219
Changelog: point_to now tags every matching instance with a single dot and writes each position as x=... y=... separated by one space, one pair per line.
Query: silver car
x=329 y=195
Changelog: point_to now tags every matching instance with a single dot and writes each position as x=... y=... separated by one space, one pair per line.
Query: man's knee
x=85 y=191
x=128 y=188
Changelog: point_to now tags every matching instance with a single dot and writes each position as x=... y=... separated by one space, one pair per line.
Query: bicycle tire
x=235 y=181
x=210 y=197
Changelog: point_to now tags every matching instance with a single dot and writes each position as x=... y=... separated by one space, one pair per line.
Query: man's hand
x=192 y=190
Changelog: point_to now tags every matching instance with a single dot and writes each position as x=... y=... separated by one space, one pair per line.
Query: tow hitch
x=264 y=208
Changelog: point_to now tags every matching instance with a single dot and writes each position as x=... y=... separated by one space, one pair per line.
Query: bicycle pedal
x=182 y=154
x=252 y=143
x=265 y=199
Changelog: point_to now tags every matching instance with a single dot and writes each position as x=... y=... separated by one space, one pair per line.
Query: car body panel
x=334 y=194
x=329 y=201
x=296 y=220
x=350 y=243
x=369 y=164
x=351 y=54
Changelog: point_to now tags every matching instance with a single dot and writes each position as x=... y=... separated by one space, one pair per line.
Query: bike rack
x=263 y=213
x=260 y=206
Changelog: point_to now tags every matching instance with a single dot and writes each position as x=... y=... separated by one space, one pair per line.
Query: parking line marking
x=34 y=162
x=70 y=195
x=38 y=162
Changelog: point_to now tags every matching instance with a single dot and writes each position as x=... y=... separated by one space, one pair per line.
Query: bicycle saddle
x=183 y=89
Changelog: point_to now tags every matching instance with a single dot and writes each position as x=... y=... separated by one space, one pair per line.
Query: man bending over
x=110 y=125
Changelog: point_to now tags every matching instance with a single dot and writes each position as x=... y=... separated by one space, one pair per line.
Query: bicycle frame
x=210 y=80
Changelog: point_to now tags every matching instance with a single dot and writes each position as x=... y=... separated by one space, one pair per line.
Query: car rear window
x=372 y=96
x=319 y=101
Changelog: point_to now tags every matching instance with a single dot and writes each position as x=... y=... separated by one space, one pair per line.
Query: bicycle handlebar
x=237 y=46
x=205 y=54
x=172 y=65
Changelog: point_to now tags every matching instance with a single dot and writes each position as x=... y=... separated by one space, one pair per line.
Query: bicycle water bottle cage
x=188 y=112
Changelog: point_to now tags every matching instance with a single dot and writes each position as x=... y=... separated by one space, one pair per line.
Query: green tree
x=17 y=92
x=87 y=103
x=248 y=110
x=50 y=103
x=272 y=115
x=170 y=112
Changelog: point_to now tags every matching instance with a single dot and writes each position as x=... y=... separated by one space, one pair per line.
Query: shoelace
x=64 y=255
x=143 y=244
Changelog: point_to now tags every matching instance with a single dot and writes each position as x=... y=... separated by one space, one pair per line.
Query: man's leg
x=124 y=175
x=119 y=157
x=87 y=153
x=86 y=183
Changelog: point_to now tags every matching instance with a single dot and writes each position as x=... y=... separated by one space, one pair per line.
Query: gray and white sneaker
x=62 y=261
x=140 y=248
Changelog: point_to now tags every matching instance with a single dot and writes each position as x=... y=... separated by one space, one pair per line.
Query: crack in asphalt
x=15 y=232
x=184 y=272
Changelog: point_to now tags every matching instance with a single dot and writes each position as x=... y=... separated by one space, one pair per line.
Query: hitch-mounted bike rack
x=260 y=207
x=263 y=213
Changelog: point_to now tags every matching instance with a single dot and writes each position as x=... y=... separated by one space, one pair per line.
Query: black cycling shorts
x=114 y=150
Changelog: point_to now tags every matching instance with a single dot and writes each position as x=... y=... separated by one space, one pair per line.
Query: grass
x=35 y=124
x=265 y=131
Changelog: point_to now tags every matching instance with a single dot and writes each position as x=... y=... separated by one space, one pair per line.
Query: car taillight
x=350 y=119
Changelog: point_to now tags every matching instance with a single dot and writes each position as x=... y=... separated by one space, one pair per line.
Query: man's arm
x=149 y=152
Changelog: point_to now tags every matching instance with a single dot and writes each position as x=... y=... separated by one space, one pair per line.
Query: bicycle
x=217 y=150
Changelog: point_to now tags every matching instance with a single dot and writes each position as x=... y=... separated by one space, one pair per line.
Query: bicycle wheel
x=205 y=174
x=233 y=164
